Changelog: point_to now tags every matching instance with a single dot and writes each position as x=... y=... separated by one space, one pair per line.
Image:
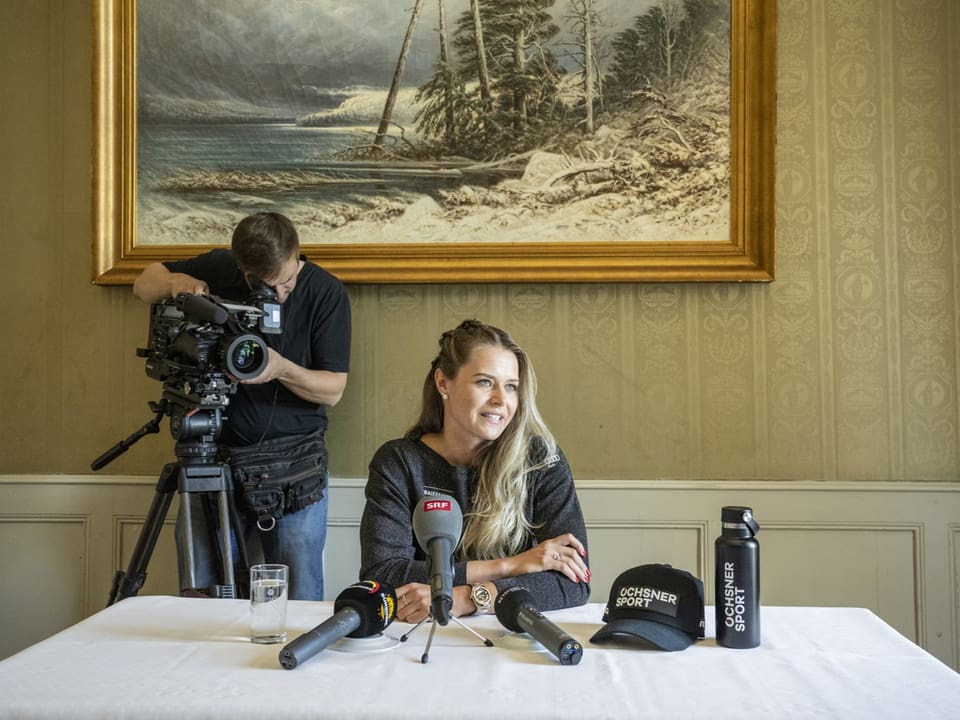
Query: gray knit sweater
x=402 y=471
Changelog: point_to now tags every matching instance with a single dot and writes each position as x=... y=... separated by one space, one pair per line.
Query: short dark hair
x=263 y=242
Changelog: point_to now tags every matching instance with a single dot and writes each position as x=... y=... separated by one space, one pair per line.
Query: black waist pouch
x=279 y=476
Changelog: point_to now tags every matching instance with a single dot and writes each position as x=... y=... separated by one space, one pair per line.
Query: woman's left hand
x=564 y=553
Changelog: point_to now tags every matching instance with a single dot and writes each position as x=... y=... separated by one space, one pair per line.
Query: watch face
x=481 y=596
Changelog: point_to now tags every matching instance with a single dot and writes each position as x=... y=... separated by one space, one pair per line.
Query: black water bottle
x=737 y=579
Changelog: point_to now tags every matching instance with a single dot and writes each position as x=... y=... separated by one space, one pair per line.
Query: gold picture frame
x=747 y=255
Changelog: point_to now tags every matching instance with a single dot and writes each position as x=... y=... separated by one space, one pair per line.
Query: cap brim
x=657 y=634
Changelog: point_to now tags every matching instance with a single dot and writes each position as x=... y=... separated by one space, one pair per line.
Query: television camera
x=200 y=348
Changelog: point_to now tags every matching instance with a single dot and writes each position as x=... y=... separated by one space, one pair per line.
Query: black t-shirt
x=316 y=335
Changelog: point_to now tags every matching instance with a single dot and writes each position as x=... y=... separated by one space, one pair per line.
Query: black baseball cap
x=656 y=603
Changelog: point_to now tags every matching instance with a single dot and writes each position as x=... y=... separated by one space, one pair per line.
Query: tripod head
x=195 y=428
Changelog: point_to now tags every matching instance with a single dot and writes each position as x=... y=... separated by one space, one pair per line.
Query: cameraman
x=279 y=417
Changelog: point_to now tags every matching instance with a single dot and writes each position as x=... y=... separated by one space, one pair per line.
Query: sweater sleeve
x=555 y=510
x=388 y=548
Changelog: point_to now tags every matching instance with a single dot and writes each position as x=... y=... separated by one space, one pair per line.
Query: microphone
x=516 y=612
x=437 y=523
x=363 y=609
x=203 y=308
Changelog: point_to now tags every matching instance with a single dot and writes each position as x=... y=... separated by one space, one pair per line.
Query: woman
x=481 y=440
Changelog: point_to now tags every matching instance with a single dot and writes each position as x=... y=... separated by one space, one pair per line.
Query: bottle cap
x=737 y=520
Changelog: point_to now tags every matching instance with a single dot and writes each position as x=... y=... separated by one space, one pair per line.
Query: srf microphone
x=516 y=612
x=437 y=523
x=361 y=610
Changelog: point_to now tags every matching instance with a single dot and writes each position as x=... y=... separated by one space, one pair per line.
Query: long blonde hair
x=496 y=524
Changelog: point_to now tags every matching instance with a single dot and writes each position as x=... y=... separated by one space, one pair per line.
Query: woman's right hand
x=413 y=602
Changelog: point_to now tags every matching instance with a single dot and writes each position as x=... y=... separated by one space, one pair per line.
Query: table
x=171 y=657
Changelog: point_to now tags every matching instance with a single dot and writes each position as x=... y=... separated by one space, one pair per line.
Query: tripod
x=435 y=620
x=195 y=472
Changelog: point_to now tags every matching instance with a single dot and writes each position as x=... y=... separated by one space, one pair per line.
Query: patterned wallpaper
x=847 y=367
x=844 y=368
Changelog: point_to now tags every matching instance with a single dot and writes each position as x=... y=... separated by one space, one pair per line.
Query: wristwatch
x=481 y=598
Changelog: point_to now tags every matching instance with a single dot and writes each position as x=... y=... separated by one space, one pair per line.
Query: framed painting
x=441 y=141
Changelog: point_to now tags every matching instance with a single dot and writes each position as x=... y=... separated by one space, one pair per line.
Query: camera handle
x=159 y=410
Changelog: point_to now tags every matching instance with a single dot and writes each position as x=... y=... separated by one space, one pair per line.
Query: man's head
x=267 y=249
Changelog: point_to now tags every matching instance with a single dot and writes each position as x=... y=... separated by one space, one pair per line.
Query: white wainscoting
x=891 y=547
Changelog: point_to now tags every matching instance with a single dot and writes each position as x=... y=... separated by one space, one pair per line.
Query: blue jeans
x=297 y=541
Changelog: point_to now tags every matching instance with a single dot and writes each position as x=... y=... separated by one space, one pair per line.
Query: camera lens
x=245 y=357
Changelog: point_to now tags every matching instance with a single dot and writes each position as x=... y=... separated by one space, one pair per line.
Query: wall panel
x=45 y=573
x=893 y=548
x=617 y=546
x=864 y=565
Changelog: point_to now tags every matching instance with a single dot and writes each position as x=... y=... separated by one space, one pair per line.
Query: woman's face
x=483 y=397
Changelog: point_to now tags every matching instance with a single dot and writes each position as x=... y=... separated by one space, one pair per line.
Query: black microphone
x=203 y=308
x=363 y=609
x=437 y=523
x=516 y=612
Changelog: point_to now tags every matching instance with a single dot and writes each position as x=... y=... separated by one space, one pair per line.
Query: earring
x=444 y=395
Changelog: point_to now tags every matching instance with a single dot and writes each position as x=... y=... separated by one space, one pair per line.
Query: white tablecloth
x=168 y=657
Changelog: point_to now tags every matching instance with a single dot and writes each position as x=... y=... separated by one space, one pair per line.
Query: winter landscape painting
x=443 y=140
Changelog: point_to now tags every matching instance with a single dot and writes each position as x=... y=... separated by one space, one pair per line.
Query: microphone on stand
x=363 y=609
x=437 y=524
x=516 y=612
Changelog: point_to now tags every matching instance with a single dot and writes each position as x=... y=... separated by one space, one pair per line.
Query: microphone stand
x=433 y=628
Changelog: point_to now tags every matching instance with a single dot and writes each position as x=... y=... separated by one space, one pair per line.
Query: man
x=282 y=410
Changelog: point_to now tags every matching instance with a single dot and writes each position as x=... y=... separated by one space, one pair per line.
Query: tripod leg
x=206 y=481
x=188 y=557
x=426 y=650
x=228 y=589
x=206 y=545
x=243 y=560
x=129 y=583
x=486 y=641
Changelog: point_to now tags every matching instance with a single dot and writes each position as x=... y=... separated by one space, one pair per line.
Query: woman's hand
x=564 y=553
x=413 y=602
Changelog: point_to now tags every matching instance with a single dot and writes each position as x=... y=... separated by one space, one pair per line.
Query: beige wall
x=845 y=368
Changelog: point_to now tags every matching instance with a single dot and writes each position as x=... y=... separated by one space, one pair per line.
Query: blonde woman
x=481 y=440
